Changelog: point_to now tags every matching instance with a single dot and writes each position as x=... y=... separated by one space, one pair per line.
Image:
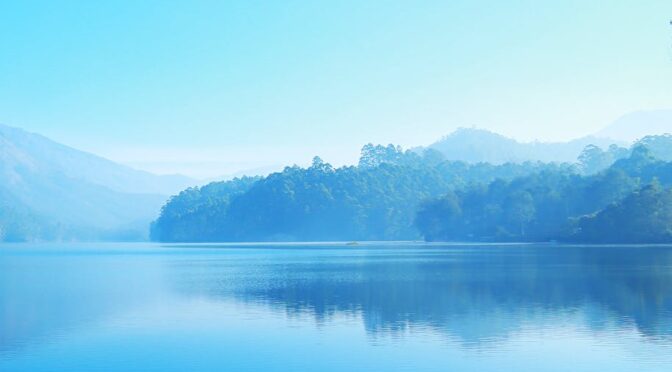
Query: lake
x=333 y=307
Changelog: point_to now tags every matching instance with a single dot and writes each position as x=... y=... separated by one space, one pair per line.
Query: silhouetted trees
x=645 y=216
x=376 y=200
x=399 y=195
x=593 y=159
x=626 y=203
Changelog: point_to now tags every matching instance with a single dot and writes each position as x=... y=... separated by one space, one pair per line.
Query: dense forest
x=375 y=200
x=394 y=194
x=539 y=207
x=606 y=196
x=627 y=202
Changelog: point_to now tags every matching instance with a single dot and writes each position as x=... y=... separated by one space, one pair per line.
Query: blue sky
x=212 y=87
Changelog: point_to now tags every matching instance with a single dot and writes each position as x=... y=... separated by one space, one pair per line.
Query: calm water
x=333 y=307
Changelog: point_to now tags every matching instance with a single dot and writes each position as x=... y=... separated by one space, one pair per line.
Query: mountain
x=49 y=191
x=20 y=146
x=638 y=124
x=478 y=145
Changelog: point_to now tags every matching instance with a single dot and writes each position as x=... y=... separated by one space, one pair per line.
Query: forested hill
x=630 y=202
x=375 y=200
x=399 y=195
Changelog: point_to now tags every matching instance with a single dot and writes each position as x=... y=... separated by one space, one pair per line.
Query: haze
x=209 y=88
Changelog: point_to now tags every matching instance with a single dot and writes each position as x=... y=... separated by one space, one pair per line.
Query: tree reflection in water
x=475 y=293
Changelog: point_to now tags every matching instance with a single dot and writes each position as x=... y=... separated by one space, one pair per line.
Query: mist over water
x=391 y=306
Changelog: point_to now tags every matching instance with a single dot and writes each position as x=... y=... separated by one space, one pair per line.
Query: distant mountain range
x=19 y=146
x=478 y=145
x=51 y=191
x=638 y=124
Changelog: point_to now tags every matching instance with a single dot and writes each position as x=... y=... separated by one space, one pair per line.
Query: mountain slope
x=477 y=145
x=31 y=150
x=639 y=124
x=49 y=191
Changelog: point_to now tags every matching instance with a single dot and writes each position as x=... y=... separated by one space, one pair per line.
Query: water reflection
x=478 y=294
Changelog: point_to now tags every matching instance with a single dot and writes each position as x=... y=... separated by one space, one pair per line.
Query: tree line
x=629 y=202
x=396 y=194
x=375 y=200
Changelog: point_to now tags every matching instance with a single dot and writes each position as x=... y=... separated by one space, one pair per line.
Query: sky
x=208 y=88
